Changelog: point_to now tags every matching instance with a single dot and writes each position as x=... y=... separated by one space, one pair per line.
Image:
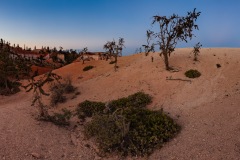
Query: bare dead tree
x=82 y=53
x=114 y=50
x=173 y=29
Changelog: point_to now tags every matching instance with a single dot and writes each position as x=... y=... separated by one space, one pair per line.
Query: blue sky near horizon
x=91 y=23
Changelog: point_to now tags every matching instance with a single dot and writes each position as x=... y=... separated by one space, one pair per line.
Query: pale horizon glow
x=75 y=24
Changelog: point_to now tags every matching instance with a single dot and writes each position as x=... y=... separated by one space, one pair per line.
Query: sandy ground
x=208 y=108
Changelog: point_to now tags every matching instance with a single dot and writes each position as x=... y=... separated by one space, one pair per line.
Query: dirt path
x=22 y=137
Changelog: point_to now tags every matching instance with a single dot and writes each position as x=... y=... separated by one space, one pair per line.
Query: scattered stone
x=63 y=155
x=73 y=140
x=97 y=158
x=96 y=149
x=36 y=155
x=218 y=65
x=87 y=145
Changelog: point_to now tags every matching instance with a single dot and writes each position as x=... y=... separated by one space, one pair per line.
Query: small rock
x=73 y=140
x=96 y=149
x=63 y=155
x=36 y=155
x=97 y=158
x=87 y=145
x=218 y=65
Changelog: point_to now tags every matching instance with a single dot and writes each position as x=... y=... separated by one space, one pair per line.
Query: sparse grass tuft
x=58 y=90
x=61 y=119
x=68 y=87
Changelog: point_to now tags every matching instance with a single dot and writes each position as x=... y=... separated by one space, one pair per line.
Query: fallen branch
x=178 y=79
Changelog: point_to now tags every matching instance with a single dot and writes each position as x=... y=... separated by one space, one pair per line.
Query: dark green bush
x=132 y=131
x=106 y=131
x=192 y=73
x=128 y=127
x=147 y=131
x=88 y=109
x=87 y=68
x=138 y=100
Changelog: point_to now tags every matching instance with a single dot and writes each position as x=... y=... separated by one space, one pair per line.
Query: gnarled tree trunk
x=165 y=55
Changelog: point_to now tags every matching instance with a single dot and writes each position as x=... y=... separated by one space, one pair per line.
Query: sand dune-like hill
x=207 y=108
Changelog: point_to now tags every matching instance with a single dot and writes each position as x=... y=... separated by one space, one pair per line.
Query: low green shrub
x=132 y=131
x=128 y=127
x=147 y=131
x=138 y=100
x=106 y=132
x=89 y=108
x=87 y=68
x=192 y=73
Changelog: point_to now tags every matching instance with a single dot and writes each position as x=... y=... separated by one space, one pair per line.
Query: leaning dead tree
x=37 y=87
x=173 y=29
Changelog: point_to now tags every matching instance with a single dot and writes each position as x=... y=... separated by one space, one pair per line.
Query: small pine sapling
x=196 y=51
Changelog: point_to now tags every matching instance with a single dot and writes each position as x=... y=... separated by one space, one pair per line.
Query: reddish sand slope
x=208 y=108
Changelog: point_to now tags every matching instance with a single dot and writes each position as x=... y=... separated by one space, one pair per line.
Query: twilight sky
x=91 y=23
